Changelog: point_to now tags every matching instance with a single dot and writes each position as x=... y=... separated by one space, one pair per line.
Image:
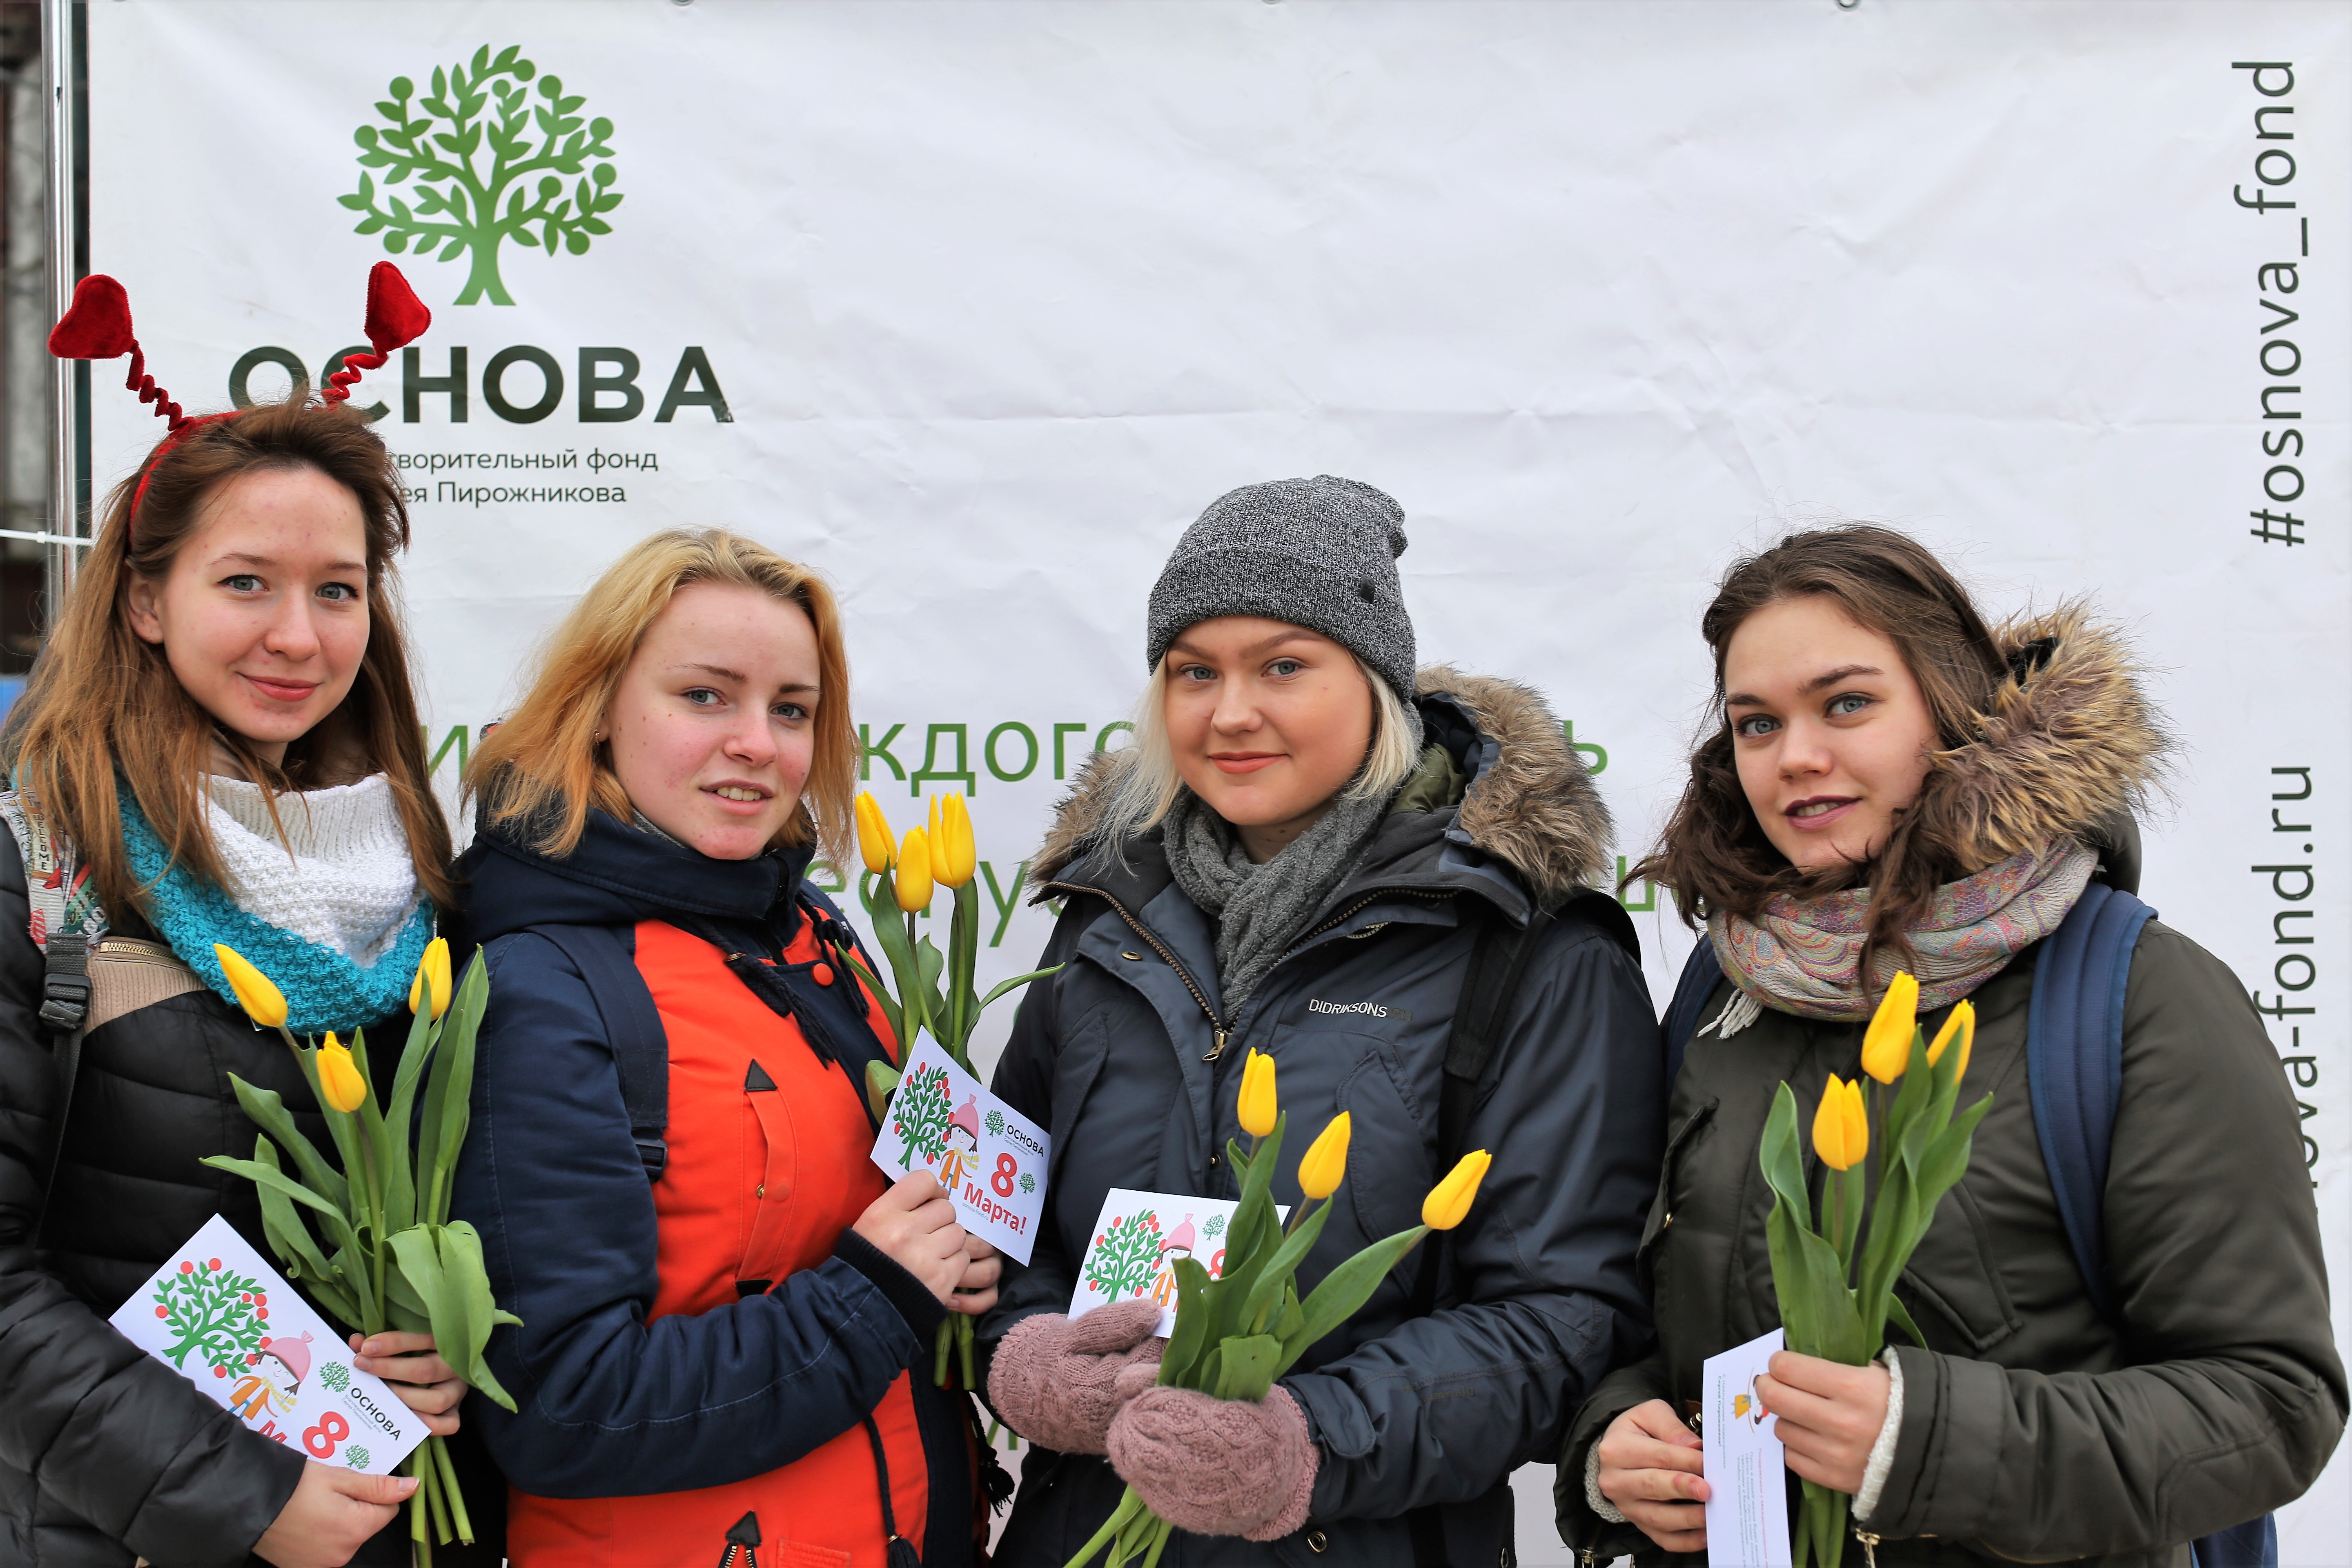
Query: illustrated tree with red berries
x=214 y=1311
x=1126 y=1257
x=919 y=1113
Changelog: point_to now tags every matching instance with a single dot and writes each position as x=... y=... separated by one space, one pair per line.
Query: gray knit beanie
x=1319 y=554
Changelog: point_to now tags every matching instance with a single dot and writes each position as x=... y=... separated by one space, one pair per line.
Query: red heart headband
x=97 y=326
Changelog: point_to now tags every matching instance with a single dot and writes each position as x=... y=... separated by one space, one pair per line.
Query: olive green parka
x=2032 y=1429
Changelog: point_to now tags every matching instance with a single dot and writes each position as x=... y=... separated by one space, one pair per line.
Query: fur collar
x=1532 y=807
x=2062 y=754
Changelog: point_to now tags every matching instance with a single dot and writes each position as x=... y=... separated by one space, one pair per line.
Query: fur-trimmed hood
x=1530 y=804
x=2070 y=743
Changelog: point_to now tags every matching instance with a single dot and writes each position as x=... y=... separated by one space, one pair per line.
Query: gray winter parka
x=1127 y=1058
x=2031 y=1428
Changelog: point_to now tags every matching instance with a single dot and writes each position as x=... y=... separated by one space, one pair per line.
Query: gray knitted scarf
x=1261 y=911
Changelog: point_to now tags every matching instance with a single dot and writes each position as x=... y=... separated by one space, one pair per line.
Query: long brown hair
x=544 y=764
x=1713 y=852
x=102 y=704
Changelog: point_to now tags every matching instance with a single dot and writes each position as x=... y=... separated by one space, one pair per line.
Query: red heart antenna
x=97 y=326
x=395 y=317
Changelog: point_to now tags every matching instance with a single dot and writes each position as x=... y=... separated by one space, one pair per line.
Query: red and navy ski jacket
x=713 y=1340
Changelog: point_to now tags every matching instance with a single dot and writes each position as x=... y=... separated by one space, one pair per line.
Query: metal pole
x=58 y=86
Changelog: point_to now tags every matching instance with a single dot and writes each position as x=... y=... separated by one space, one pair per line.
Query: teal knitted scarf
x=323 y=989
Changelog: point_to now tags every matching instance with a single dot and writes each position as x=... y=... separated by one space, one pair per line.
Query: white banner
x=974 y=306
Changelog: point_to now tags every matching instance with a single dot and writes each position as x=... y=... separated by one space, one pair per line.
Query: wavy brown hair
x=103 y=709
x=545 y=765
x=1713 y=852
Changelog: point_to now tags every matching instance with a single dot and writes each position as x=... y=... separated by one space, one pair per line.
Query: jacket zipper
x=1216 y=1024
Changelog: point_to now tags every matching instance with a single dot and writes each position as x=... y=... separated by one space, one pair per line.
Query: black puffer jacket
x=2032 y=1429
x=1536 y=1298
x=107 y=1455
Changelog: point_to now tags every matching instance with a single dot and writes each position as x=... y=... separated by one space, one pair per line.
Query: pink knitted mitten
x=1058 y=1383
x=1218 y=1467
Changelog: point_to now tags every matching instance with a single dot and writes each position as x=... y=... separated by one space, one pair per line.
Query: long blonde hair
x=103 y=709
x=544 y=763
x=1149 y=782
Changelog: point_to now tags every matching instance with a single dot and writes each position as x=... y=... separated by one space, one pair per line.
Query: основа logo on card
x=480 y=164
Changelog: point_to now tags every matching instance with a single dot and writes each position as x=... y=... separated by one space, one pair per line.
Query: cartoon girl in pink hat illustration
x=1178 y=1243
x=279 y=1368
x=963 y=1143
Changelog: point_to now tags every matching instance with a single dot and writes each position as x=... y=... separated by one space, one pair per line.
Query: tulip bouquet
x=1835 y=1303
x=941 y=855
x=1237 y=1333
x=388 y=1256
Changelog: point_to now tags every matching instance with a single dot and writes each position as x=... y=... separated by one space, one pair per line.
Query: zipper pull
x=1220 y=1049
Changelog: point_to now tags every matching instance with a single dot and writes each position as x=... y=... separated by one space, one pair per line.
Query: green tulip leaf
x=291 y=1240
x=1248 y=1368
x=1343 y=1292
x=268 y=1112
x=1901 y=1317
x=1191 y=1324
x=1275 y=1276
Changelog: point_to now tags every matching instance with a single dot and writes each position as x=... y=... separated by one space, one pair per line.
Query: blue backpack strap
x=2075 y=1065
x=1701 y=973
x=633 y=1027
x=2074 y=1073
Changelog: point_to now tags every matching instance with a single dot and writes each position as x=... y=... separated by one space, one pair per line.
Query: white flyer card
x=1137 y=1240
x=990 y=1156
x=218 y=1315
x=1747 y=1485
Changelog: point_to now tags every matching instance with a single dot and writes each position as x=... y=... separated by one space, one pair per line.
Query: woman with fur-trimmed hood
x=1893 y=785
x=1301 y=856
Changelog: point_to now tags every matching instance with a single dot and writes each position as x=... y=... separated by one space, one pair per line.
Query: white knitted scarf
x=341 y=876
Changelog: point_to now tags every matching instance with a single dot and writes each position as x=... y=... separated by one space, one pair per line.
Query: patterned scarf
x=1802 y=957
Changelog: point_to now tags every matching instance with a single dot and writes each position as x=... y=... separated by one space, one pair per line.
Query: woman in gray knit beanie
x=1317 y=851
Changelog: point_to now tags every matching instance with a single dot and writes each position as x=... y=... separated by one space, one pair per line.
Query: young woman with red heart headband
x=219 y=743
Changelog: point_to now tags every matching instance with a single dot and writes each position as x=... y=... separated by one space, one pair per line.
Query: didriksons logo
x=483 y=164
x=1368 y=1009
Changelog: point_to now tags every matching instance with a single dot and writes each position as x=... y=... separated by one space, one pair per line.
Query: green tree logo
x=356 y=1457
x=338 y=1377
x=995 y=1125
x=1126 y=1257
x=480 y=179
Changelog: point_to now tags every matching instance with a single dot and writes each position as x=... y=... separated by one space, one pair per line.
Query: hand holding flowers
x=1836 y=1299
x=387 y=1260
x=940 y=855
x=1216 y=1432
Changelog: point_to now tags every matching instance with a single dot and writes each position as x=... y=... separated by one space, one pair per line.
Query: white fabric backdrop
x=1000 y=295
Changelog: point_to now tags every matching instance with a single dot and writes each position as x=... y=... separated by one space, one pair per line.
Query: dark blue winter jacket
x=1130 y=1057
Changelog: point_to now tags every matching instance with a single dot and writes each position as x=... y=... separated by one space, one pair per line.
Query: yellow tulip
x=1257 y=1106
x=1326 y=1160
x=931 y=825
x=1963 y=1023
x=873 y=834
x=914 y=882
x=340 y=1084
x=1887 y=1046
x=434 y=972
x=1842 y=1126
x=1448 y=1202
x=953 y=855
x=263 y=1003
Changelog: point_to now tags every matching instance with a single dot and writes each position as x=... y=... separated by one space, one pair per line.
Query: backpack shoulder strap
x=2074 y=1064
x=1702 y=971
x=633 y=1025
